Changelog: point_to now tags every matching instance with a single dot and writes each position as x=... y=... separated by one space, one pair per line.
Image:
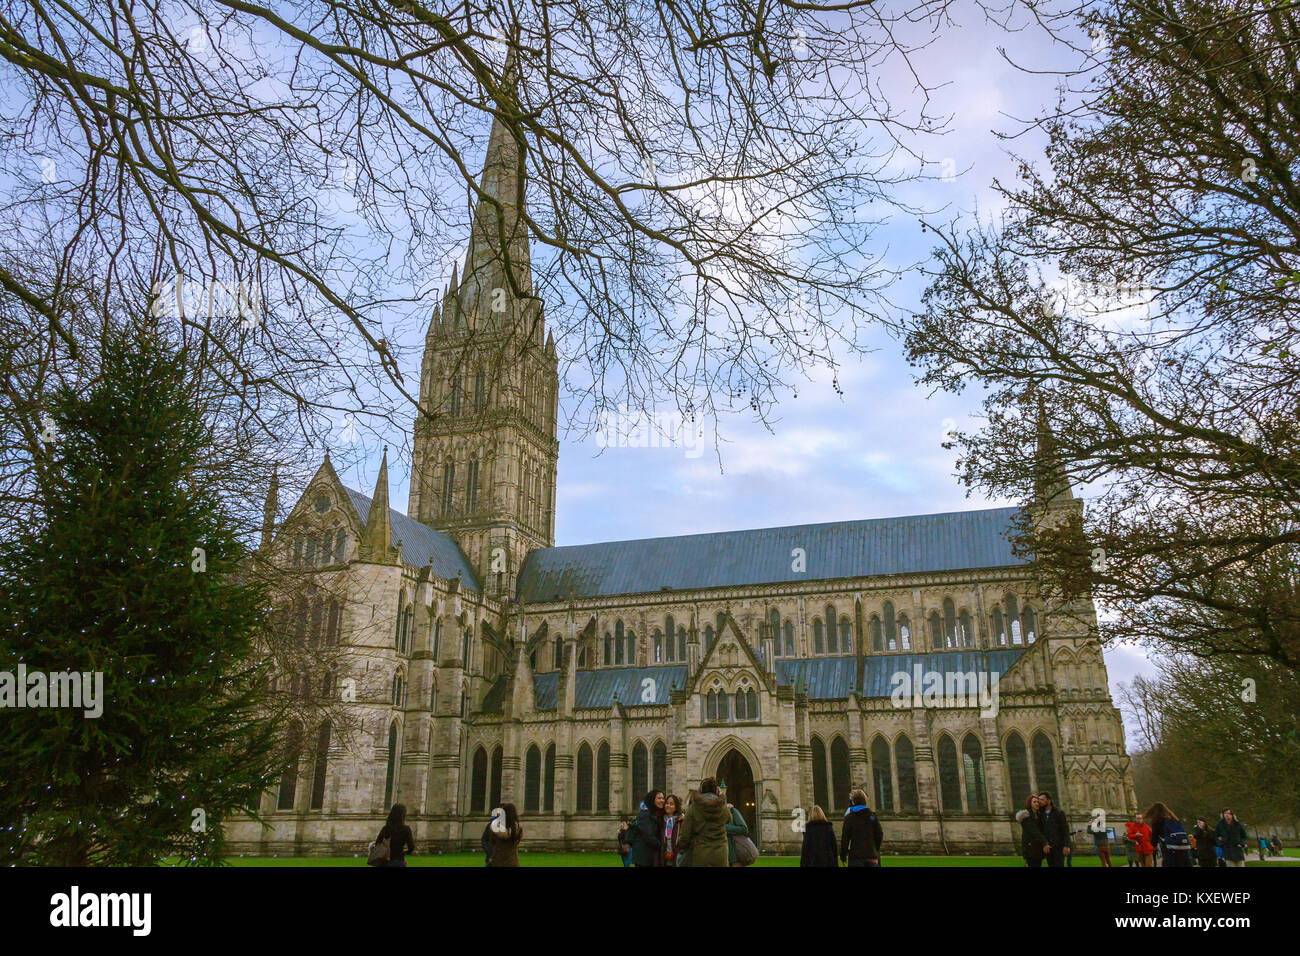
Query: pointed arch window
x=882 y=781
x=390 y=777
x=640 y=774
x=681 y=644
x=658 y=641
x=448 y=486
x=1013 y=619
x=333 y=625
x=999 y=631
x=480 y=391
x=841 y=781
x=399 y=691
x=321 y=767
x=904 y=633
x=602 y=778
x=584 y=778
x=1030 y=622
x=819 y=639
x=949 y=777
x=708 y=638
x=1044 y=764
x=789 y=639
x=456 y=387
x=471 y=487
x=631 y=647
x=905 y=756
x=972 y=759
x=966 y=629
x=478 y=781
x=659 y=765
x=548 y=786
x=670 y=628
x=936 y=631
x=289 y=779
x=341 y=546
x=620 y=643
x=875 y=634
x=890 y=627
x=495 y=789
x=533 y=779
x=609 y=649
x=557 y=654
x=819 y=772
x=1018 y=769
x=949 y=623
x=774 y=630
x=846 y=636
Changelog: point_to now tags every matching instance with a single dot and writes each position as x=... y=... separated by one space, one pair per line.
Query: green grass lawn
x=609 y=859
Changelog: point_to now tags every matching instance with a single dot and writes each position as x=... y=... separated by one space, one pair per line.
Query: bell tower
x=485 y=447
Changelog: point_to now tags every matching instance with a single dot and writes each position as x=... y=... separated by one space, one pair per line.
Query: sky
x=874 y=451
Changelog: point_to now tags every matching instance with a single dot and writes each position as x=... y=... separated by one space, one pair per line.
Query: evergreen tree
x=108 y=580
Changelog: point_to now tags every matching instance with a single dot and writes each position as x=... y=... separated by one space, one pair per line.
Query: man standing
x=1204 y=837
x=1231 y=835
x=1055 y=827
x=862 y=833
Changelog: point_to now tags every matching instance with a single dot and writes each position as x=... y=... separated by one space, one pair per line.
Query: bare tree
x=1139 y=302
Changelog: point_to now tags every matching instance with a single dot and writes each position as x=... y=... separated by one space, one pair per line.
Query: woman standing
x=506 y=833
x=672 y=828
x=400 y=839
x=704 y=833
x=736 y=827
x=645 y=836
x=819 y=847
x=1033 y=845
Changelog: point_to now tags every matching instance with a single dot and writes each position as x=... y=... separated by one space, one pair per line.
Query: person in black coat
x=1055 y=827
x=862 y=836
x=645 y=837
x=818 y=841
x=1204 y=837
x=400 y=839
x=1033 y=845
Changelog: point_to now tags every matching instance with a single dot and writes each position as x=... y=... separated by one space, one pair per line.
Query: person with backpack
x=400 y=839
x=862 y=834
x=645 y=836
x=1231 y=836
x=818 y=841
x=1055 y=827
x=672 y=828
x=1168 y=833
x=506 y=832
x=1204 y=837
x=704 y=830
x=1100 y=838
x=737 y=829
x=1033 y=845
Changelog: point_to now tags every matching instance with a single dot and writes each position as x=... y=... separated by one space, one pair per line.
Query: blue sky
x=876 y=450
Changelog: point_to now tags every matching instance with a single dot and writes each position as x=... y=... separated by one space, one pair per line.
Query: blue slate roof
x=953 y=541
x=821 y=678
x=421 y=544
x=829 y=678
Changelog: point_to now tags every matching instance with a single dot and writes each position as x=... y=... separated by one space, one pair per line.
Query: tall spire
x=497 y=218
x=1049 y=484
x=377 y=537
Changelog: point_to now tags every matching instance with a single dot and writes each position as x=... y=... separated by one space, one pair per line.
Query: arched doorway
x=735 y=772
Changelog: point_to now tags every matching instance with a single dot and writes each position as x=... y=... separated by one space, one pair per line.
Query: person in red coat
x=1140 y=836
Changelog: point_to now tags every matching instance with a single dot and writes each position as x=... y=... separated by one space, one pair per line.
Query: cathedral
x=476 y=662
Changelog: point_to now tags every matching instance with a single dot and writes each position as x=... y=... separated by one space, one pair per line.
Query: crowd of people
x=1045 y=836
x=706 y=830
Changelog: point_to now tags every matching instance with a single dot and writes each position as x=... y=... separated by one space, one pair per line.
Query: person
x=672 y=827
x=1130 y=854
x=1263 y=848
x=624 y=850
x=704 y=831
x=506 y=834
x=735 y=827
x=400 y=839
x=862 y=835
x=1167 y=832
x=1139 y=835
x=645 y=836
x=1231 y=835
x=1275 y=845
x=818 y=840
x=1204 y=838
x=1055 y=827
x=1100 y=842
x=1033 y=845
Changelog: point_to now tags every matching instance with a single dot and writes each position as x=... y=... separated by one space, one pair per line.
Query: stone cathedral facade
x=476 y=662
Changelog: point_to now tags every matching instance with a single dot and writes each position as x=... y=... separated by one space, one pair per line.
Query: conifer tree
x=133 y=569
